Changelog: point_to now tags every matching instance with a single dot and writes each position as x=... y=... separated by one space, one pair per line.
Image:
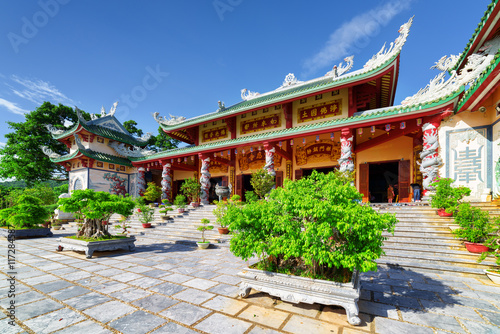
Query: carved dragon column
x=429 y=155
x=345 y=160
x=269 y=166
x=141 y=181
x=166 y=183
x=205 y=179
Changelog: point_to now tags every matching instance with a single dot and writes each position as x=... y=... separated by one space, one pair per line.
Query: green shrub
x=446 y=196
x=262 y=182
x=315 y=227
x=474 y=223
x=28 y=212
x=250 y=196
x=180 y=201
x=191 y=188
x=152 y=192
x=144 y=212
x=493 y=242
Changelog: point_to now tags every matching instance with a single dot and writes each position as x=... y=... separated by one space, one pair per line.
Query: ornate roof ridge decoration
x=222 y=106
x=172 y=121
x=248 y=95
x=103 y=112
x=135 y=152
x=51 y=154
x=53 y=130
x=78 y=142
x=340 y=70
x=290 y=80
x=439 y=87
x=480 y=26
x=394 y=48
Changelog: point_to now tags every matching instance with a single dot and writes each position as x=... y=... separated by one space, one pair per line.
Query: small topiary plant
x=152 y=192
x=28 y=212
x=203 y=228
x=474 y=223
x=446 y=196
x=312 y=227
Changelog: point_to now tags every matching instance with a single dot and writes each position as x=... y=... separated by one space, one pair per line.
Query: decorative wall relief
x=114 y=183
x=319 y=111
x=321 y=151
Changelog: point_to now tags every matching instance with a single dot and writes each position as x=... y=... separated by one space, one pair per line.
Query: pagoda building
x=343 y=120
x=98 y=154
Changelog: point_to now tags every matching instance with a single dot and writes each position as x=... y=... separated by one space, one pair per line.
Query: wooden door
x=298 y=174
x=239 y=186
x=279 y=179
x=364 y=181
x=224 y=181
x=404 y=181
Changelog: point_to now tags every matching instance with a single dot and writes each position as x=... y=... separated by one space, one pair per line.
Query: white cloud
x=38 y=91
x=12 y=107
x=354 y=35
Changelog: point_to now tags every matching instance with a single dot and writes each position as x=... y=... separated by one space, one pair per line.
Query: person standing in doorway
x=416 y=192
x=390 y=193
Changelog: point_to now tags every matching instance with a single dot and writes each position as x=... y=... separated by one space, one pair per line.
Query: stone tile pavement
x=176 y=288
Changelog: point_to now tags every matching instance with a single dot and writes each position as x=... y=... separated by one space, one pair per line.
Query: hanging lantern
x=303 y=141
x=372 y=129
x=279 y=144
x=259 y=148
x=332 y=136
x=222 y=153
x=236 y=151
x=387 y=127
x=402 y=125
x=215 y=155
x=419 y=121
x=172 y=161
x=251 y=149
x=185 y=159
x=243 y=151
x=291 y=142
x=192 y=158
x=229 y=152
x=317 y=137
x=360 y=131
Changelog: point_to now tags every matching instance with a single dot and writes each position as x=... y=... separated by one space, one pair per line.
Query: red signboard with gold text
x=318 y=111
x=261 y=123
x=214 y=134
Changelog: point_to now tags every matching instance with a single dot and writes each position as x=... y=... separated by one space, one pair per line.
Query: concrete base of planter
x=26 y=233
x=296 y=289
x=89 y=247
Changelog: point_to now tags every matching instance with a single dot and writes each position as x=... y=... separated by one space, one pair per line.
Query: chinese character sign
x=319 y=111
x=214 y=134
x=260 y=124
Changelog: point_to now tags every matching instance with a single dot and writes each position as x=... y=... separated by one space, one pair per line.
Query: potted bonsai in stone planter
x=204 y=227
x=191 y=188
x=56 y=224
x=165 y=209
x=94 y=207
x=152 y=193
x=180 y=203
x=474 y=227
x=447 y=198
x=312 y=237
x=24 y=218
x=493 y=244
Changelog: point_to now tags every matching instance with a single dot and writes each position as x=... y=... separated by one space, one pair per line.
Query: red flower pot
x=148 y=225
x=223 y=230
x=195 y=204
x=475 y=247
x=443 y=213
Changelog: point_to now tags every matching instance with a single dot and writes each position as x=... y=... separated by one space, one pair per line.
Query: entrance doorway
x=212 y=196
x=247 y=186
x=375 y=177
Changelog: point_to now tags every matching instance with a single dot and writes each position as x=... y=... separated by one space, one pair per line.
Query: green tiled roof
x=65 y=157
x=485 y=17
x=305 y=129
x=486 y=73
x=285 y=94
x=103 y=132
x=104 y=157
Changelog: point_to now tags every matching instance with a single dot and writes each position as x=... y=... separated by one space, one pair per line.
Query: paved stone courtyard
x=176 y=288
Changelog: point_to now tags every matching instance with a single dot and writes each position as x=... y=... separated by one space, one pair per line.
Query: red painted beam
x=222 y=161
x=393 y=134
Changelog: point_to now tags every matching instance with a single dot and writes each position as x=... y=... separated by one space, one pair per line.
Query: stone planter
x=89 y=247
x=26 y=233
x=297 y=289
x=203 y=245
x=493 y=276
x=165 y=217
x=56 y=227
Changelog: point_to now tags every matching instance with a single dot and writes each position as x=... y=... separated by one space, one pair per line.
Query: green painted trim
x=480 y=26
x=65 y=157
x=67 y=133
x=262 y=101
x=275 y=135
x=104 y=157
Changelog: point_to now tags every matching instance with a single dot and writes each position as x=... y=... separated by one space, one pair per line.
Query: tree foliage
x=95 y=207
x=315 y=224
x=262 y=182
x=27 y=212
x=448 y=197
x=191 y=188
x=474 y=223
x=22 y=157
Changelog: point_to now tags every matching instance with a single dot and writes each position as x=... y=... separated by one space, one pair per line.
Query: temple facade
x=343 y=120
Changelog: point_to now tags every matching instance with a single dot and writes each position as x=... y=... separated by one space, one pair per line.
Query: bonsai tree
x=446 y=196
x=27 y=212
x=312 y=227
x=144 y=212
x=152 y=192
x=165 y=210
x=474 y=223
x=203 y=228
x=191 y=188
x=95 y=207
x=180 y=201
x=262 y=182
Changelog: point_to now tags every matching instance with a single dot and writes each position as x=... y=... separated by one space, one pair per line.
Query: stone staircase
x=423 y=241
x=181 y=229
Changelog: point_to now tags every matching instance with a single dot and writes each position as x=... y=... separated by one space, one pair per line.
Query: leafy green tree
x=474 y=223
x=22 y=157
x=315 y=226
x=448 y=197
x=262 y=182
x=191 y=188
x=95 y=207
x=28 y=212
x=131 y=126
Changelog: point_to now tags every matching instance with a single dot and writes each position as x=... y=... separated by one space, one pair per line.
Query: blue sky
x=181 y=57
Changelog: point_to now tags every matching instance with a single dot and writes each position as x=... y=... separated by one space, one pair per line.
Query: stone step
x=456 y=257
x=429 y=267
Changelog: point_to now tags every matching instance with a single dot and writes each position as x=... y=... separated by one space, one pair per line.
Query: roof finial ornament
x=338 y=71
x=172 y=121
x=113 y=109
x=446 y=63
x=290 y=79
x=222 y=106
x=48 y=152
x=248 y=95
